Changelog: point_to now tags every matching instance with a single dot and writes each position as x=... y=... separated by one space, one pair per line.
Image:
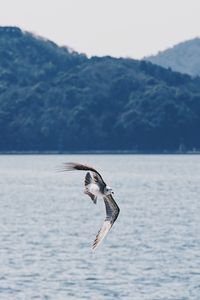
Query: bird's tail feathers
x=88 y=179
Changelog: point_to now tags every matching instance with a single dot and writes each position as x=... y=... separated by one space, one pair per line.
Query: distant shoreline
x=100 y=152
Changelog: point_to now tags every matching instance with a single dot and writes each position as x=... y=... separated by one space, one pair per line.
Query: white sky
x=133 y=28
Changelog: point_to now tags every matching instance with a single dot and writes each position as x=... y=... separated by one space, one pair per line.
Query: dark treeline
x=54 y=99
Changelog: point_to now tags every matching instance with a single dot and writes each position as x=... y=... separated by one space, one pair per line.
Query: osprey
x=94 y=187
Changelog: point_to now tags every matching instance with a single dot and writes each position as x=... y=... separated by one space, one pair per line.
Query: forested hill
x=52 y=98
x=183 y=57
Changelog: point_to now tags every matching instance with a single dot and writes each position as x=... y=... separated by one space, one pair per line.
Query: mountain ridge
x=53 y=99
x=182 y=57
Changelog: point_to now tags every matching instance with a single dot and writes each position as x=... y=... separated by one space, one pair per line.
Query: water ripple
x=47 y=227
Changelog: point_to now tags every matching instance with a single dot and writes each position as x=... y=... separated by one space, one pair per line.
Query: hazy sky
x=133 y=28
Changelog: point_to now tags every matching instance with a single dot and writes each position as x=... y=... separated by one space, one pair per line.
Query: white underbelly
x=94 y=189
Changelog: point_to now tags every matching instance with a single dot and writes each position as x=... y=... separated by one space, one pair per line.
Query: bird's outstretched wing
x=112 y=212
x=76 y=166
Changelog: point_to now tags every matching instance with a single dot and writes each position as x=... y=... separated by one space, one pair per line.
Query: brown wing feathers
x=75 y=166
x=112 y=212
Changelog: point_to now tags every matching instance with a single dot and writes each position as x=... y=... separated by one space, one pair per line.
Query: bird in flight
x=95 y=186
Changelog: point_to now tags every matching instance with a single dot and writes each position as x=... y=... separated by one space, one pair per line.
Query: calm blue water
x=47 y=226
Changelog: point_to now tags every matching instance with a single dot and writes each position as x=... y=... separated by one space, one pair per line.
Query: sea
x=47 y=227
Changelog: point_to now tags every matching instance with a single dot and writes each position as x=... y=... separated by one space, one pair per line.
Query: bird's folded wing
x=112 y=212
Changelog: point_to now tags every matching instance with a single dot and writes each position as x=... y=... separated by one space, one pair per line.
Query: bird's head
x=108 y=190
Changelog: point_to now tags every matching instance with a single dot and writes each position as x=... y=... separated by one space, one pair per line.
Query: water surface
x=47 y=226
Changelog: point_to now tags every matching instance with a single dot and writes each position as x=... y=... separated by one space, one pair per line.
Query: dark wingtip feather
x=67 y=167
